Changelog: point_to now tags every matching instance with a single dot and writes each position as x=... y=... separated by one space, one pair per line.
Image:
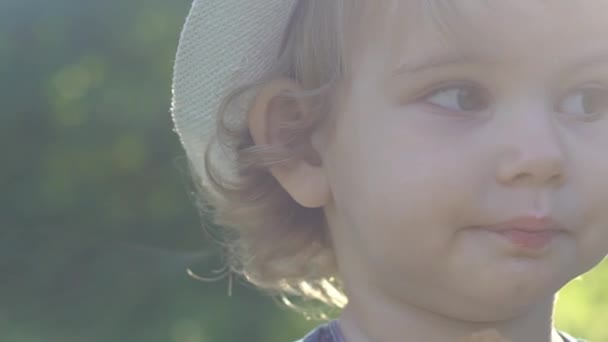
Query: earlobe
x=304 y=180
x=306 y=184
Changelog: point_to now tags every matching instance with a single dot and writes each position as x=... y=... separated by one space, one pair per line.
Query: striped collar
x=330 y=332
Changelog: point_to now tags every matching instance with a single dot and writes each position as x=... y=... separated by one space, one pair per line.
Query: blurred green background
x=97 y=223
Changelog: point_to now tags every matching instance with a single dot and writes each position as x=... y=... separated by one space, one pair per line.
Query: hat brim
x=224 y=43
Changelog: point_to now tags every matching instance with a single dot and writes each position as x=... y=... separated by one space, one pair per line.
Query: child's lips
x=527 y=239
x=527 y=223
x=528 y=232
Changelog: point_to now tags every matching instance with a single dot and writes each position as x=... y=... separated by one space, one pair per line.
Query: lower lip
x=527 y=239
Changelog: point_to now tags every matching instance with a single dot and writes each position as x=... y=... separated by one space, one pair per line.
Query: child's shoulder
x=568 y=338
x=329 y=332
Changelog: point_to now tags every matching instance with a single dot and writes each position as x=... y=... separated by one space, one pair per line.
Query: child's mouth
x=527 y=232
x=534 y=240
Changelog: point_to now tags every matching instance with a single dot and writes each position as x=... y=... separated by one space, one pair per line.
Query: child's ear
x=303 y=178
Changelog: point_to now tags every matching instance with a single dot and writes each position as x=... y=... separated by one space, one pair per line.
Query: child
x=435 y=168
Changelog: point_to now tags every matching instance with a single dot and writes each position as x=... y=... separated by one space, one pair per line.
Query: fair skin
x=416 y=161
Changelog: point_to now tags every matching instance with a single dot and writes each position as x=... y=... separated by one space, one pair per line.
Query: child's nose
x=531 y=154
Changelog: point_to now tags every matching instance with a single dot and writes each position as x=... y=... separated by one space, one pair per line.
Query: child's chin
x=502 y=303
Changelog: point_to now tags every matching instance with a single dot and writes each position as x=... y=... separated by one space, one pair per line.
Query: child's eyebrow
x=439 y=60
x=591 y=61
x=455 y=58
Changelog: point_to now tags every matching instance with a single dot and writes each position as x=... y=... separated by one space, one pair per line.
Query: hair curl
x=277 y=244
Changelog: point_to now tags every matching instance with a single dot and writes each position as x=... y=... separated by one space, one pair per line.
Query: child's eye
x=586 y=101
x=462 y=98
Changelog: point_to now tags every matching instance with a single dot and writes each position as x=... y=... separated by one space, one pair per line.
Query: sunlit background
x=97 y=224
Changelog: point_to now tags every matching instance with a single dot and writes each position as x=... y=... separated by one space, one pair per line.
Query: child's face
x=490 y=119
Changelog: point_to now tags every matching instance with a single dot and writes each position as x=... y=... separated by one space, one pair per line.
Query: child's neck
x=369 y=319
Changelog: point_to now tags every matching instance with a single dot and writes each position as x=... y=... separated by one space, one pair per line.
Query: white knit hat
x=223 y=43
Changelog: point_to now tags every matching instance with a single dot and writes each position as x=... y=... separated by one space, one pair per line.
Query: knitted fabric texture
x=224 y=43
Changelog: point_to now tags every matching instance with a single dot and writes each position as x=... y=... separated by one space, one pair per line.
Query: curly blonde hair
x=277 y=244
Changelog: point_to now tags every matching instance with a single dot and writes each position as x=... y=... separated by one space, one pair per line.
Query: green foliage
x=582 y=306
x=97 y=227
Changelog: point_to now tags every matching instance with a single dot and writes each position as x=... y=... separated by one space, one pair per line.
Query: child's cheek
x=585 y=194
